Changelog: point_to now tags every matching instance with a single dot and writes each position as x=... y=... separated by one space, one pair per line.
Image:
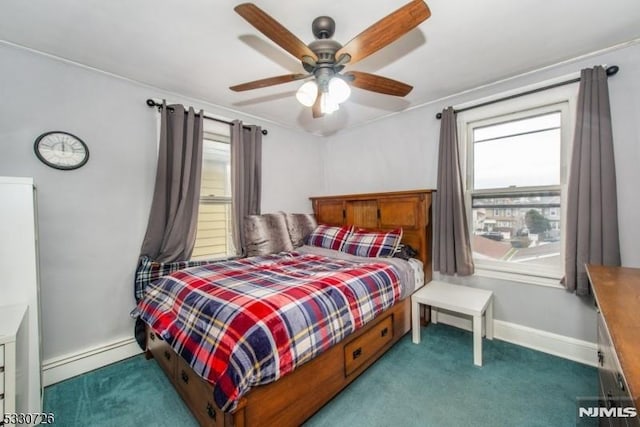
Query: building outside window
x=516 y=174
x=213 y=237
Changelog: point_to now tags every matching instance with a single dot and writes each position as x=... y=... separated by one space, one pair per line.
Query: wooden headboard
x=410 y=210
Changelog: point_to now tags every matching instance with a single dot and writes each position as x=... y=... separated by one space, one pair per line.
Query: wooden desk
x=617 y=293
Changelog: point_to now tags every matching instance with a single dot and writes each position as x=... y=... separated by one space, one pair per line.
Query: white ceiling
x=199 y=48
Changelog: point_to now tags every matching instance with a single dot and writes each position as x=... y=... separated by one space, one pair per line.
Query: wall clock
x=61 y=150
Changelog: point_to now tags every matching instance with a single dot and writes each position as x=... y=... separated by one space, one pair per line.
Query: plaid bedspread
x=247 y=322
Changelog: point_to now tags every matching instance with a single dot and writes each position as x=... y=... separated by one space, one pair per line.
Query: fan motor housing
x=325 y=49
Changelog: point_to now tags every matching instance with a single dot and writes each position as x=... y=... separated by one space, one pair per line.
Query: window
x=213 y=237
x=515 y=163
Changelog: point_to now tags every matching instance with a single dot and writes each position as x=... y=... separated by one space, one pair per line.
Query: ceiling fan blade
x=316 y=108
x=377 y=83
x=274 y=30
x=385 y=31
x=270 y=81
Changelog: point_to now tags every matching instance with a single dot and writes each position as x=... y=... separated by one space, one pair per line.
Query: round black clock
x=61 y=150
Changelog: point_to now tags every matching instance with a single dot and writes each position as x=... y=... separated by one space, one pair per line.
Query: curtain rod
x=612 y=70
x=152 y=103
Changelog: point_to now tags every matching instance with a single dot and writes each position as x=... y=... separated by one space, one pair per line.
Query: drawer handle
x=211 y=412
x=357 y=353
x=600 y=358
x=620 y=381
x=610 y=403
x=152 y=336
x=167 y=355
x=384 y=332
x=185 y=377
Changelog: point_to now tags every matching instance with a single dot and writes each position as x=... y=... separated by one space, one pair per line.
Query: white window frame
x=561 y=99
x=219 y=132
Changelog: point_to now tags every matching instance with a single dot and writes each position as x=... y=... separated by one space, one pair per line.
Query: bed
x=370 y=312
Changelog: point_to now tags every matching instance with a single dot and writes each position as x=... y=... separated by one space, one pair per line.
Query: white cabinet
x=19 y=267
x=13 y=359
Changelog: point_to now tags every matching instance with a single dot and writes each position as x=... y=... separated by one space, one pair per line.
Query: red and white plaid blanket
x=247 y=322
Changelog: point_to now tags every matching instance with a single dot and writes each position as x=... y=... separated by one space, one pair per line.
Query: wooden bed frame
x=295 y=397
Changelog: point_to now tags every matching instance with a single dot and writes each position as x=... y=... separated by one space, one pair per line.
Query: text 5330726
x=29 y=418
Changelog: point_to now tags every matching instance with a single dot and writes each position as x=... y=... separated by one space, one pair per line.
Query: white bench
x=461 y=299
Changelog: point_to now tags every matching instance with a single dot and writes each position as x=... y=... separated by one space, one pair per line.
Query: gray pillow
x=266 y=234
x=300 y=226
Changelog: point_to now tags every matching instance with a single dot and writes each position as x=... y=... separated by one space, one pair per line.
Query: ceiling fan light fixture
x=339 y=90
x=307 y=93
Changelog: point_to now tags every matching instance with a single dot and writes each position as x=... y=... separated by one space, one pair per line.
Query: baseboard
x=64 y=367
x=546 y=342
x=68 y=366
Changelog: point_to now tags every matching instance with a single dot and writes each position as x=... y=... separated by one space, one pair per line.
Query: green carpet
x=128 y=393
x=431 y=384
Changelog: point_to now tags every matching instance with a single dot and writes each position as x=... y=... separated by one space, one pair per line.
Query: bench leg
x=477 y=340
x=415 y=321
x=434 y=315
x=488 y=320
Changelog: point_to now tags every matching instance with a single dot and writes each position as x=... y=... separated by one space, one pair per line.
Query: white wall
x=400 y=153
x=92 y=220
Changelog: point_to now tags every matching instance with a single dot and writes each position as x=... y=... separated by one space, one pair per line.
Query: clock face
x=61 y=150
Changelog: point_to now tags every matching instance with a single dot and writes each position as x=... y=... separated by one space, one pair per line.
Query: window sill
x=550 y=282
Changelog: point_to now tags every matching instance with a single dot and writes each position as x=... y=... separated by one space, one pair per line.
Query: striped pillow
x=330 y=237
x=367 y=243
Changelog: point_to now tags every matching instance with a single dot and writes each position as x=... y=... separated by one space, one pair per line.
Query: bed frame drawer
x=198 y=396
x=360 y=350
x=162 y=353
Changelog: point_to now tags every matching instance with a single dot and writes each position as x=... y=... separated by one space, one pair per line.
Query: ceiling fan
x=324 y=58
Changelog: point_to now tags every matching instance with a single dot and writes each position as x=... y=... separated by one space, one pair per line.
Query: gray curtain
x=246 y=177
x=451 y=247
x=592 y=203
x=173 y=220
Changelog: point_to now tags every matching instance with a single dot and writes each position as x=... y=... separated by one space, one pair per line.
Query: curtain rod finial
x=439 y=116
x=612 y=70
x=151 y=102
x=265 y=132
